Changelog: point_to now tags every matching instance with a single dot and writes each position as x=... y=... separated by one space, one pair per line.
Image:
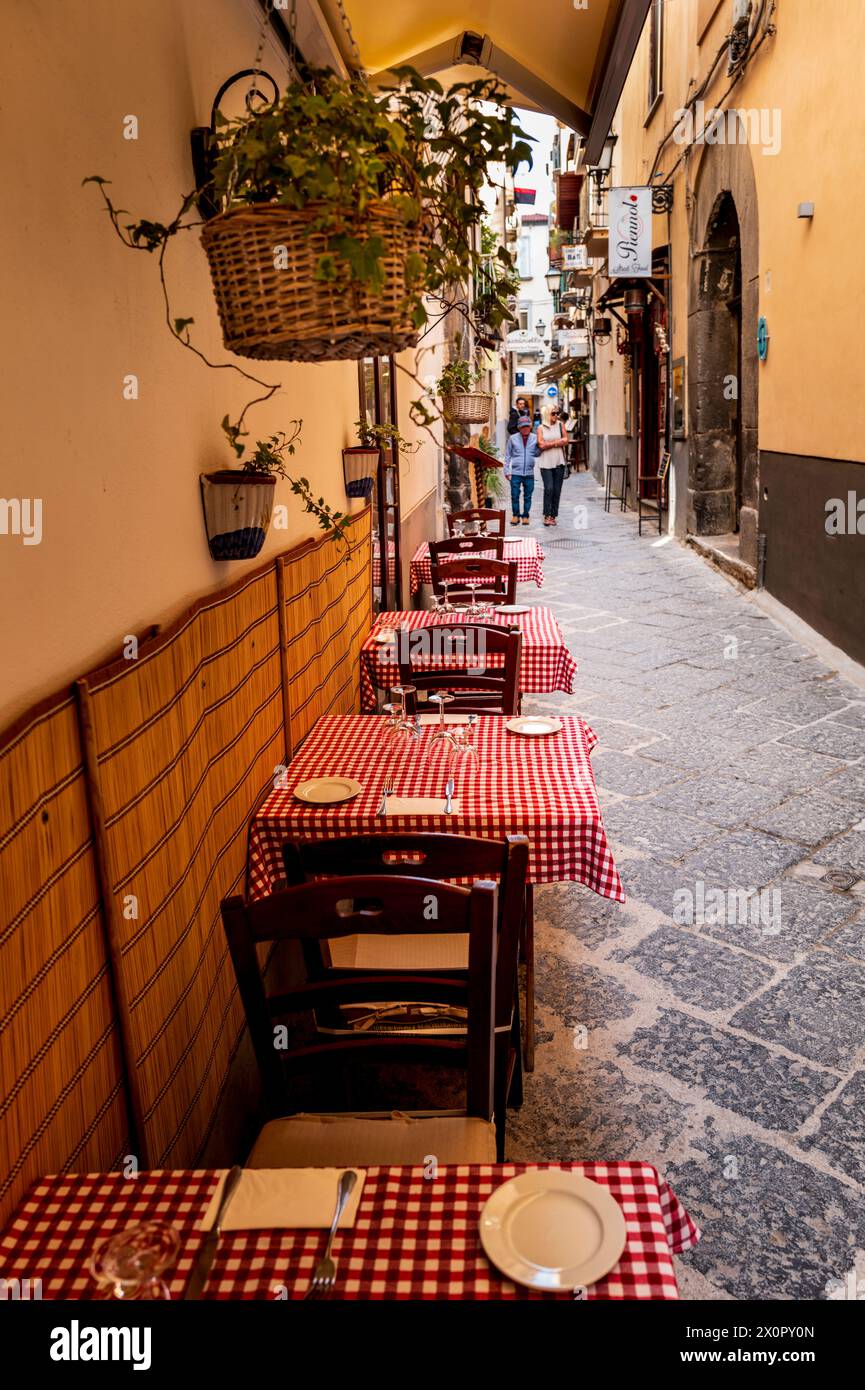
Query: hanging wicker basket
x=468 y=407
x=263 y=262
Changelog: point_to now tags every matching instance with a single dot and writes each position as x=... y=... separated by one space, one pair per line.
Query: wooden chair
x=487 y=514
x=382 y=905
x=500 y=574
x=439 y=857
x=458 y=547
x=491 y=690
x=657 y=481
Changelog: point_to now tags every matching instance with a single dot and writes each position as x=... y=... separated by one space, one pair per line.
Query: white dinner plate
x=512 y=608
x=386 y=636
x=533 y=725
x=553 y=1230
x=321 y=791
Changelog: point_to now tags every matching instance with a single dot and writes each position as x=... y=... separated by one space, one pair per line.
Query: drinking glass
x=443 y=733
x=129 y=1265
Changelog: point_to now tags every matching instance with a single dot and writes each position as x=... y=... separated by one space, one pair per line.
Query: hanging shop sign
x=575 y=257
x=630 y=243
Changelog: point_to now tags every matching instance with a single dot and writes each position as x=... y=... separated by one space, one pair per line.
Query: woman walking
x=551 y=460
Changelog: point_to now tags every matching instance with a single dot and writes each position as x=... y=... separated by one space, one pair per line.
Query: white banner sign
x=575 y=257
x=630 y=247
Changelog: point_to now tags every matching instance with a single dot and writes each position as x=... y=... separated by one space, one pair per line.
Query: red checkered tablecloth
x=546 y=662
x=526 y=550
x=543 y=787
x=413 y=1238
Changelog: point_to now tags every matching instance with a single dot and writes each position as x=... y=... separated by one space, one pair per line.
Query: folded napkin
x=283 y=1198
x=449 y=719
x=420 y=805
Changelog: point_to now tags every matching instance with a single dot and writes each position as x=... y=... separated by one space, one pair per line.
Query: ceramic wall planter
x=238 y=506
x=360 y=466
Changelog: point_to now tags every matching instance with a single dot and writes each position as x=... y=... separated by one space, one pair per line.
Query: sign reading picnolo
x=630 y=245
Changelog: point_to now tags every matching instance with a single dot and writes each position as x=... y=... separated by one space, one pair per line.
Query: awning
x=571 y=62
x=554 y=371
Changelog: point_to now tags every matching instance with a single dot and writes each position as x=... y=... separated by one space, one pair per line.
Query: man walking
x=520 y=455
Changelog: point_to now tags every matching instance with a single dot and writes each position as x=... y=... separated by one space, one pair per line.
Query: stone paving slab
x=817 y=1011
x=792 y=916
x=695 y=970
x=733 y=1073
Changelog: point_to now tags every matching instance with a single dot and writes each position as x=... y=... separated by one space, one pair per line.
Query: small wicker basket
x=469 y=407
x=263 y=262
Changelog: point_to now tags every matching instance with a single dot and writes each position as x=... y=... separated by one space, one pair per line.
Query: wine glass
x=446 y=606
x=459 y=529
x=128 y=1265
x=442 y=734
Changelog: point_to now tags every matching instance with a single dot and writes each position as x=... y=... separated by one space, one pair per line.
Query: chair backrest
x=495 y=580
x=457 y=546
x=434 y=856
x=487 y=514
x=462 y=666
x=380 y=904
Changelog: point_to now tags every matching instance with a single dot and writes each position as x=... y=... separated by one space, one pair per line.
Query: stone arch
x=723 y=306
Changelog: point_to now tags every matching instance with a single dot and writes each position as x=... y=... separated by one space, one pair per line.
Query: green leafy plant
x=579 y=376
x=457 y=377
x=492 y=479
x=380 y=436
x=270 y=457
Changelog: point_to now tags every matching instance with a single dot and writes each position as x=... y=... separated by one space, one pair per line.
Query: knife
x=195 y=1287
x=449 y=791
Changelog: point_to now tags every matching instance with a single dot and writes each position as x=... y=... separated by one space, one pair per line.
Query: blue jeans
x=528 y=485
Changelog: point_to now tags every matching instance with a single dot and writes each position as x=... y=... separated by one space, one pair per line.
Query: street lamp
x=600 y=170
x=541 y=328
x=553 y=278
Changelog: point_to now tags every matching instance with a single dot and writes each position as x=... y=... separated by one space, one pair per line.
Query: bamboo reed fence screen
x=123 y=823
x=326 y=606
x=62 y=1103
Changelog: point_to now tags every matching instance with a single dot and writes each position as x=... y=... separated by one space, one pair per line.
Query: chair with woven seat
x=439 y=857
x=383 y=905
x=458 y=546
x=494 y=581
x=465 y=672
x=480 y=514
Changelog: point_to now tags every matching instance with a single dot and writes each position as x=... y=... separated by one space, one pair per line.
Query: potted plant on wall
x=492 y=481
x=360 y=461
x=238 y=502
x=460 y=402
x=342 y=209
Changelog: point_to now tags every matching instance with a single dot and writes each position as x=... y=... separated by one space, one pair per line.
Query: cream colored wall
x=811 y=400
x=123 y=536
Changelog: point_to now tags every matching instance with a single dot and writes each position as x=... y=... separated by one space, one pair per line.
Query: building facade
x=721 y=358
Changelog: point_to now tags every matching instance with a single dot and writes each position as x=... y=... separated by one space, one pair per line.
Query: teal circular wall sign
x=762 y=339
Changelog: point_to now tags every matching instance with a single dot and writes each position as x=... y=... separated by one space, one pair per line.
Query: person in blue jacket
x=520 y=455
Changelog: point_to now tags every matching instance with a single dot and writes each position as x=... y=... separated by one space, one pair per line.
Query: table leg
x=529 y=949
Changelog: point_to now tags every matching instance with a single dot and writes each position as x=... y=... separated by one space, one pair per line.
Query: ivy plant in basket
x=460 y=402
x=343 y=209
x=360 y=461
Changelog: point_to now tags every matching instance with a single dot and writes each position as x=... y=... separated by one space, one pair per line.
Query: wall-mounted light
x=805 y=210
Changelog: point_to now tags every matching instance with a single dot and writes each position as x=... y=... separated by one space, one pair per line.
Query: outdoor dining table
x=526 y=550
x=546 y=664
x=414 y=1236
x=542 y=787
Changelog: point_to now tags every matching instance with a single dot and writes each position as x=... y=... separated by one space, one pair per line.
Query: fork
x=386 y=791
x=325 y=1272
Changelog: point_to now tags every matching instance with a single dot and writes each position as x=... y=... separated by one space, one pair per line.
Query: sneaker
x=515 y=521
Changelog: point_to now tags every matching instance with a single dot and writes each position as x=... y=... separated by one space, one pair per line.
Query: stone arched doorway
x=723 y=458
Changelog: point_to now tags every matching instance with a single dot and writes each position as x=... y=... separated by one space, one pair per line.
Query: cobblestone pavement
x=728 y=1052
